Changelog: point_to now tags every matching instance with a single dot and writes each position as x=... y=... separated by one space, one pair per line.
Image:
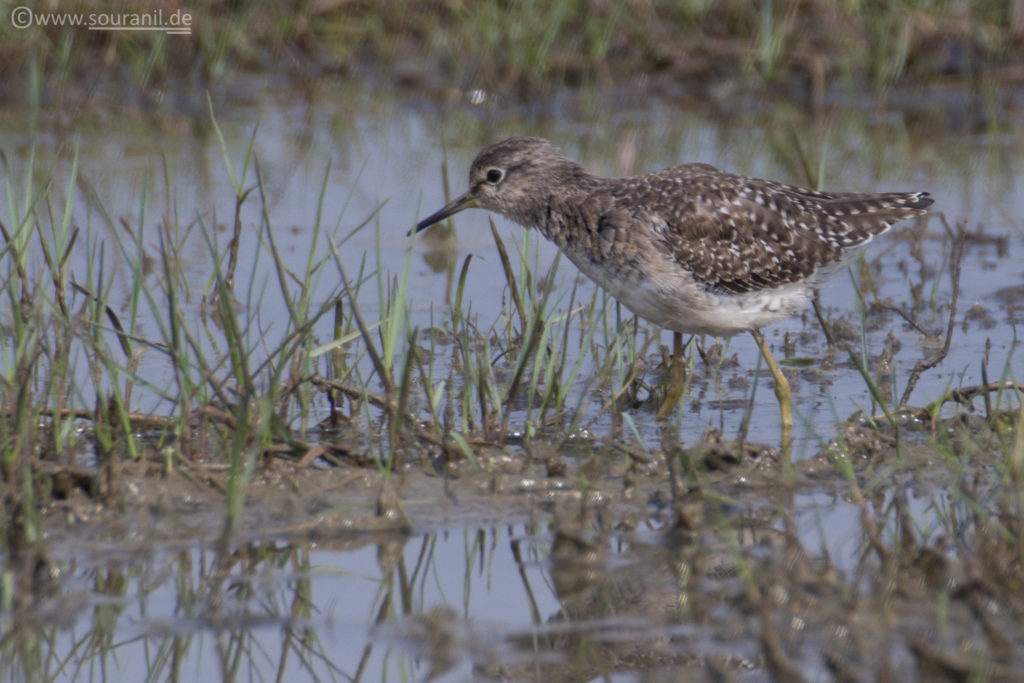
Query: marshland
x=254 y=429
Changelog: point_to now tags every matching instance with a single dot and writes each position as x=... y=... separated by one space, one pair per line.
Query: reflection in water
x=581 y=598
x=649 y=604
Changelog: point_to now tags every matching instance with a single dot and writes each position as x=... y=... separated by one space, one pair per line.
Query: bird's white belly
x=672 y=300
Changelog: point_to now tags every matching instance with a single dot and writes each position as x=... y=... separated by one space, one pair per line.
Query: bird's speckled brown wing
x=738 y=235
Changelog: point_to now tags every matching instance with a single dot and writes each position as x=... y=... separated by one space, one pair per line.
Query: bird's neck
x=550 y=207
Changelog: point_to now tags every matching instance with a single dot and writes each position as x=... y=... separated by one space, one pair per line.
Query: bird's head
x=513 y=177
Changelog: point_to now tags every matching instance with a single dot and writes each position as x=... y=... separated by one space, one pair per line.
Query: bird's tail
x=863 y=216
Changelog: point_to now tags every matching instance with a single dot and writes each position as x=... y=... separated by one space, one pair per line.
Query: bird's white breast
x=670 y=298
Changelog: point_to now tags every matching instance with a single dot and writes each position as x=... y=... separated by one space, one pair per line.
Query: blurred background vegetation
x=808 y=49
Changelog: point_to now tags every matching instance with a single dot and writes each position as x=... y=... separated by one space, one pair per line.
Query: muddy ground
x=696 y=570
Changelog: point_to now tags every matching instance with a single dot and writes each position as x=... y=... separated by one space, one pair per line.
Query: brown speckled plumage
x=691 y=248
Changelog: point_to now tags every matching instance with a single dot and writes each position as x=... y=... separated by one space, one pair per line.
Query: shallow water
x=364 y=154
x=535 y=597
x=491 y=592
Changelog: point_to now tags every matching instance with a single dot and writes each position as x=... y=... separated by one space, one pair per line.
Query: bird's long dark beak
x=466 y=201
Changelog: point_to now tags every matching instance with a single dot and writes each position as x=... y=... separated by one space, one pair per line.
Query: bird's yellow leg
x=783 y=393
x=676 y=374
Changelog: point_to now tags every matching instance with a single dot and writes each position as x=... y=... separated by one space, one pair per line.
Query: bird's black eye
x=495 y=175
